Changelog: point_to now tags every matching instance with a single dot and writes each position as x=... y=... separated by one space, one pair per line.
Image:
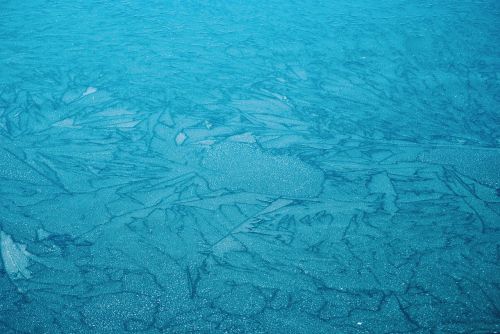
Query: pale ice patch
x=180 y=138
x=15 y=258
x=478 y=163
x=66 y=123
x=246 y=137
x=115 y=112
x=42 y=234
x=241 y=166
x=127 y=124
x=207 y=142
x=121 y=123
x=89 y=90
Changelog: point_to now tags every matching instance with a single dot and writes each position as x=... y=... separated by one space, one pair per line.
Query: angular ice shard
x=66 y=123
x=180 y=138
x=90 y=90
x=15 y=258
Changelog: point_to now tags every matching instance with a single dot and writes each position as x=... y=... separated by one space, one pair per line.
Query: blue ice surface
x=249 y=166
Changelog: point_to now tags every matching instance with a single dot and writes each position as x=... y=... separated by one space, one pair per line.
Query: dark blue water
x=249 y=166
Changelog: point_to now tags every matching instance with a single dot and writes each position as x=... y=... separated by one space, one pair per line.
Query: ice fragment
x=15 y=258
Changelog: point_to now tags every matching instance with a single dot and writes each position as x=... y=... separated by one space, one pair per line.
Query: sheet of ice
x=249 y=166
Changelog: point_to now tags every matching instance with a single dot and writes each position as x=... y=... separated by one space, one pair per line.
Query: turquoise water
x=249 y=166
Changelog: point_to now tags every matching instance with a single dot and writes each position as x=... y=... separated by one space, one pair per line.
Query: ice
x=16 y=259
x=249 y=166
x=482 y=164
x=241 y=166
x=246 y=137
x=89 y=90
x=115 y=112
x=180 y=138
x=67 y=123
x=276 y=205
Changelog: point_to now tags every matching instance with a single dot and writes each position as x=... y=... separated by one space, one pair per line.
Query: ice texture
x=249 y=166
x=238 y=166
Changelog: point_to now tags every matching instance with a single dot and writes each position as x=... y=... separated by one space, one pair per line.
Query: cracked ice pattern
x=249 y=167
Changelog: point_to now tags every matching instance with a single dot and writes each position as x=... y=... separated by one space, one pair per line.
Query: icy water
x=249 y=166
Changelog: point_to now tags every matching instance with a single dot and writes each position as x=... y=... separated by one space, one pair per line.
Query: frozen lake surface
x=249 y=166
